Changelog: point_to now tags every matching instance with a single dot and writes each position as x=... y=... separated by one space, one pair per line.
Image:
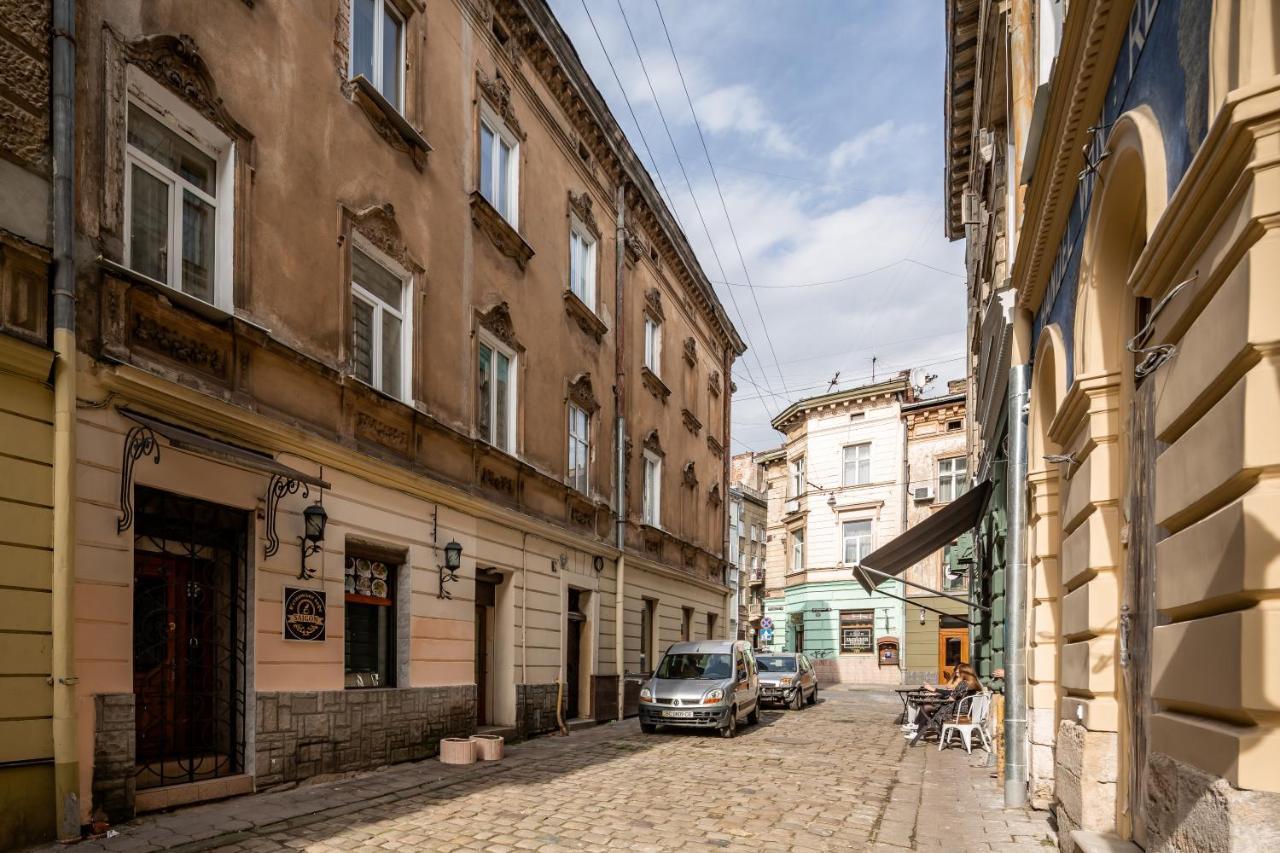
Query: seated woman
x=964 y=681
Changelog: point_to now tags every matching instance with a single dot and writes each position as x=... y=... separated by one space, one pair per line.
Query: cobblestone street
x=837 y=776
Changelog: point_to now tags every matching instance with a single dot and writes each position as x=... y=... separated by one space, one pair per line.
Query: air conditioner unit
x=792 y=505
x=923 y=493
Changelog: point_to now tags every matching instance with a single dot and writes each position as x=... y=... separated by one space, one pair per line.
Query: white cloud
x=739 y=109
x=885 y=137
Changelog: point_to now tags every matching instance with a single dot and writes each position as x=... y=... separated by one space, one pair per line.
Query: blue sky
x=824 y=123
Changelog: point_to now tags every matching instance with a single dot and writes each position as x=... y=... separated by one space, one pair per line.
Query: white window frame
x=797 y=550
x=653 y=345
x=795 y=477
x=591 y=253
x=584 y=442
x=500 y=131
x=954 y=479
x=183 y=120
x=651 y=494
x=845 y=539
x=358 y=243
x=513 y=393
x=857 y=463
x=381 y=7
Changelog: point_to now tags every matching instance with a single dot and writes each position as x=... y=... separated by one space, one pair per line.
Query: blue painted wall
x=1168 y=72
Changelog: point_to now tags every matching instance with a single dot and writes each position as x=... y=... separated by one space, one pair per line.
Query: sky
x=822 y=122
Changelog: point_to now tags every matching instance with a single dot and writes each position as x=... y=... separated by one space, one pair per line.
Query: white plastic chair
x=977 y=707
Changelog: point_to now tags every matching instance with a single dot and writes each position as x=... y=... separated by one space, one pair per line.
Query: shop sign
x=304 y=614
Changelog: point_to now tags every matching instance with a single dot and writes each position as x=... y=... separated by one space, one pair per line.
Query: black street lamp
x=314 y=520
x=452 y=562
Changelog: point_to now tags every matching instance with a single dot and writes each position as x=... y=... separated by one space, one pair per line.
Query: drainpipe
x=66 y=764
x=620 y=449
x=1015 y=629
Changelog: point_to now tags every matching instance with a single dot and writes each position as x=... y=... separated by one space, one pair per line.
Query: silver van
x=710 y=684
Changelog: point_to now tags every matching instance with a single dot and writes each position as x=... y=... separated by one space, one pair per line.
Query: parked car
x=709 y=684
x=787 y=679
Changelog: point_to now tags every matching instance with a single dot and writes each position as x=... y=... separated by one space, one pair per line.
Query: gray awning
x=936 y=531
x=184 y=439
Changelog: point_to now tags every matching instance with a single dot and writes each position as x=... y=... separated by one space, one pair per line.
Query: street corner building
x=377 y=398
x=1111 y=166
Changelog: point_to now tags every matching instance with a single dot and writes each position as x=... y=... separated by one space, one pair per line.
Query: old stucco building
x=1111 y=166
x=394 y=261
x=836 y=492
x=937 y=627
x=748 y=521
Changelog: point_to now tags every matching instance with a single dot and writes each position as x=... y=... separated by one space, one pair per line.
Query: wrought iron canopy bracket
x=447 y=575
x=140 y=441
x=279 y=486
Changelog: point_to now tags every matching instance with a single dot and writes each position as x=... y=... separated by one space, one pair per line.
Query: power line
x=866 y=378
x=843 y=279
x=719 y=191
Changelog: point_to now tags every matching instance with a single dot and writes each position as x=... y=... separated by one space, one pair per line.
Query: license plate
x=681 y=715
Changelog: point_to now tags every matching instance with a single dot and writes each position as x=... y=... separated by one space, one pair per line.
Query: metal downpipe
x=1015 y=682
x=66 y=763
x=620 y=454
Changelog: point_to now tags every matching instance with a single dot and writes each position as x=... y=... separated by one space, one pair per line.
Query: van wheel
x=797 y=702
x=730 y=728
x=753 y=719
x=813 y=697
x=648 y=728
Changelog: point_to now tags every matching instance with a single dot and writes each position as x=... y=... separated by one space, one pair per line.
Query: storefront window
x=370 y=622
x=857 y=629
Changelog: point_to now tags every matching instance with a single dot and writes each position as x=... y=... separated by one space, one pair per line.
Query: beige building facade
x=1140 y=308
x=361 y=293
x=937 y=627
x=748 y=525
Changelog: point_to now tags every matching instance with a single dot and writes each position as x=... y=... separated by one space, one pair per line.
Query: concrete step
x=1088 y=841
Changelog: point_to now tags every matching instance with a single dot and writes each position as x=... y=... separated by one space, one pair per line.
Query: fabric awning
x=184 y=439
x=936 y=531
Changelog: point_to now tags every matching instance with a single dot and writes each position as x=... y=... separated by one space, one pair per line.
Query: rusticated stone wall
x=304 y=734
x=535 y=709
x=114 y=755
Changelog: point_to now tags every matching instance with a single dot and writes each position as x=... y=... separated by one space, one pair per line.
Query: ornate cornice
x=713 y=383
x=653 y=303
x=175 y=61
x=497 y=91
x=653 y=444
x=714 y=445
x=582 y=395
x=691 y=351
x=497 y=321
x=654 y=383
x=691 y=421
x=389 y=123
x=377 y=224
x=580 y=206
x=582 y=314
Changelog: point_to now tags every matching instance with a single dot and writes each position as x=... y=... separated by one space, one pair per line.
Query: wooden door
x=1137 y=614
x=953 y=649
x=485 y=597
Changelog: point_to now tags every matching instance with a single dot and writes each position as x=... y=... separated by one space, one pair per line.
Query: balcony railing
x=756 y=577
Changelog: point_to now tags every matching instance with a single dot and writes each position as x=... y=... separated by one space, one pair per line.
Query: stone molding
x=580 y=207
x=691 y=421
x=497 y=92
x=497 y=321
x=377 y=223
x=504 y=237
x=587 y=320
x=389 y=123
x=582 y=395
x=654 y=383
x=653 y=444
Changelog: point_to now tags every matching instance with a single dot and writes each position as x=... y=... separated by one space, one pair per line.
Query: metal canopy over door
x=188 y=639
x=1138 y=612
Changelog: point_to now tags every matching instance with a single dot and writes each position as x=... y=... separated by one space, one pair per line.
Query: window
x=797 y=550
x=582 y=265
x=579 y=447
x=857 y=464
x=797 y=482
x=857 y=628
x=377 y=47
x=652 y=495
x=955 y=426
x=952 y=477
x=496 y=402
x=755 y=533
x=499 y=167
x=857 y=540
x=653 y=345
x=369 y=622
x=734 y=549
x=176 y=232
x=379 y=352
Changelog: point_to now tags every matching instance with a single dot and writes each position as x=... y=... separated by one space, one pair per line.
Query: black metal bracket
x=309 y=549
x=279 y=486
x=140 y=441
x=447 y=575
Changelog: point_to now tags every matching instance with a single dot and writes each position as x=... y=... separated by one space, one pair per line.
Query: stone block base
x=305 y=734
x=1085 y=778
x=1188 y=811
x=535 y=709
x=115 y=769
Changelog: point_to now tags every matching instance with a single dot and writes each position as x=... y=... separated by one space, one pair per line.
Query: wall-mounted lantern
x=314 y=519
x=449 y=571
